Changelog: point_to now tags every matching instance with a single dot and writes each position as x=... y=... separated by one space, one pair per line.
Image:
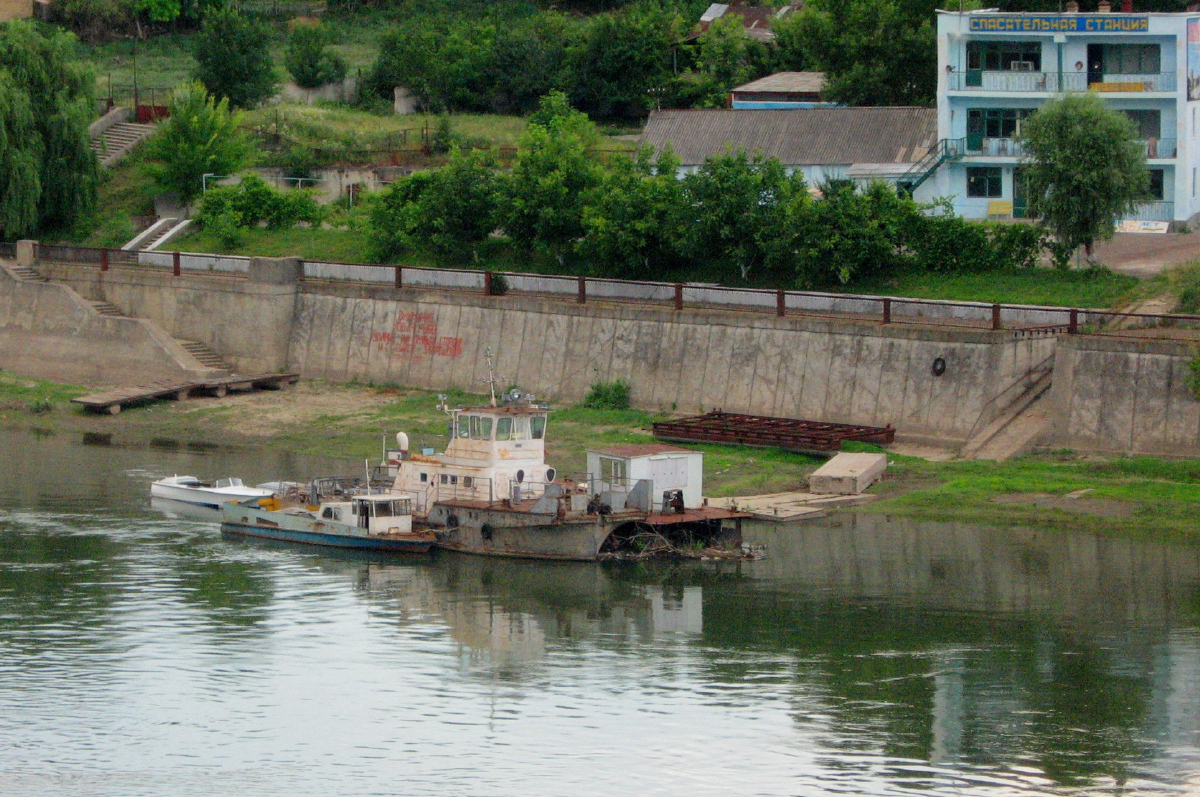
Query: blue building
x=995 y=69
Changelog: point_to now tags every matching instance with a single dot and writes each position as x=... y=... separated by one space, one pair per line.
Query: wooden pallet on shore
x=113 y=401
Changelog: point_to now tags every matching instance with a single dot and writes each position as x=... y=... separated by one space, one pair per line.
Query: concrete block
x=847 y=474
x=25 y=253
x=276 y=270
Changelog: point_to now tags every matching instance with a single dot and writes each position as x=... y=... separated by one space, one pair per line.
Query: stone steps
x=114 y=143
x=106 y=309
x=204 y=354
x=29 y=274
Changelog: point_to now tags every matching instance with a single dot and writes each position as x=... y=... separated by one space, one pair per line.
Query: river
x=142 y=654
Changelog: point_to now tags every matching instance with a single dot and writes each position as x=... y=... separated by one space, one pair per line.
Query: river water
x=142 y=654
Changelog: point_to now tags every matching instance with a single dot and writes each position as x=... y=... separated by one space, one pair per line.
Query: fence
x=1019 y=320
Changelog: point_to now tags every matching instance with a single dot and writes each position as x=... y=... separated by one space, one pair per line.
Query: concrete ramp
x=48 y=331
x=1019 y=425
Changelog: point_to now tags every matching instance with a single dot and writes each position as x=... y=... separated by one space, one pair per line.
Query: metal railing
x=1159 y=147
x=1013 y=148
x=1017 y=321
x=1055 y=82
x=1153 y=211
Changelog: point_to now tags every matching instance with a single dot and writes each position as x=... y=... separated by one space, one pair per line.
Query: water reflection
x=864 y=655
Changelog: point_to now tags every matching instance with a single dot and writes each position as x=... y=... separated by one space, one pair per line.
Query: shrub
x=227 y=226
x=498 y=286
x=309 y=58
x=1194 y=377
x=1185 y=284
x=443 y=137
x=608 y=396
x=252 y=202
x=39 y=406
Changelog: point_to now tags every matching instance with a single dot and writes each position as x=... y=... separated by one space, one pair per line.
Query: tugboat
x=492 y=493
x=380 y=522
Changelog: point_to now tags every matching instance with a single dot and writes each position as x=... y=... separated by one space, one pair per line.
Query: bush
x=309 y=58
x=1185 y=284
x=498 y=286
x=1194 y=377
x=608 y=396
x=252 y=202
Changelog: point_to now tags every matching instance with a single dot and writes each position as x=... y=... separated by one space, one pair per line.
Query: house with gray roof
x=896 y=145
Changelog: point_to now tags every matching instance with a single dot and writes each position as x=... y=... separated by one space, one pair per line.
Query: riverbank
x=1142 y=495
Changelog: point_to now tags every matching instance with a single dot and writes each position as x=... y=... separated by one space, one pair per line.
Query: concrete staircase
x=1019 y=425
x=116 y=142
x=28 y=273
x=156 y=235
x=109 y=310
x=204 y=354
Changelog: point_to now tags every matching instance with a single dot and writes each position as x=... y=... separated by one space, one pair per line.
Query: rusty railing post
x=175 y=263
x=996 y=316
x=887 y=310
x=487 y=283
x=104 y=260
x=582 y=299
x=780 y=303
x=1073 y=323
x=679 y=296
x=399 y=277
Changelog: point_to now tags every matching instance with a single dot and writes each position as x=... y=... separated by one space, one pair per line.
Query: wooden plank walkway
x=113 y=401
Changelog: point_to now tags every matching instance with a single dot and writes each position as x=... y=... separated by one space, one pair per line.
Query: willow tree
x=1085 y=168
x=48 y=174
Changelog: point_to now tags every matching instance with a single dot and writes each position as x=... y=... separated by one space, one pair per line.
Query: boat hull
x=200 y=496
x=251 y=522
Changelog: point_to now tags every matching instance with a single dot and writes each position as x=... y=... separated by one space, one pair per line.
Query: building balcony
x=1144 y=211
x=1056 y=83
x=1161 y=148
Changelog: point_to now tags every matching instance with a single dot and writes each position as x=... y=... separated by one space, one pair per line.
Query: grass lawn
x=1088 y=288
x=346 y=246
x=160 y=61
x=125 y=191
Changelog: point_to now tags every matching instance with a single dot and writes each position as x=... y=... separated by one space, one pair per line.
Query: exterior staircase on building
x=204 y=354
x=116 y=142
x=945 y=151
x=28 y=273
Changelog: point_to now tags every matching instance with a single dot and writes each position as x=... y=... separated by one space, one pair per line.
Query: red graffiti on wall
x=416 y=334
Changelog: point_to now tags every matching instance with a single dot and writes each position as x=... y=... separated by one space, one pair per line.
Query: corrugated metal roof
x=797 y=137
x=642 y=450
x=807 y=82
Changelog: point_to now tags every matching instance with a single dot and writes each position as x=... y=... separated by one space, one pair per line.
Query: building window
x=996 y=122
x=1004 y=56
x=1148 y=123
x=1132 y=59
x=424 y=477
x=1156 y=184
x=984 y=181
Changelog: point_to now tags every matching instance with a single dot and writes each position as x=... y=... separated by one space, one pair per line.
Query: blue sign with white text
x=1070 y=23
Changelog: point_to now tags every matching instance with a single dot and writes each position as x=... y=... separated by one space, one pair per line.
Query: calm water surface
x=144 y=654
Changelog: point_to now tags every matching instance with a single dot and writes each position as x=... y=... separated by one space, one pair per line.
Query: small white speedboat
x=191 y=490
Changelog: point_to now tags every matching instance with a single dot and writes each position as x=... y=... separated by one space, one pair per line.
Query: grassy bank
x=1142 y=495
x=1087 y=288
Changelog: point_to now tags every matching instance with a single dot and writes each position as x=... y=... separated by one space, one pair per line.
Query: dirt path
x=1147 y=255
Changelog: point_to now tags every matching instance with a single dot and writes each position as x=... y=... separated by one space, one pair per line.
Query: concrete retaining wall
x=247 y=320
x=1117 y=394
x=689 y=361
x=47 y=331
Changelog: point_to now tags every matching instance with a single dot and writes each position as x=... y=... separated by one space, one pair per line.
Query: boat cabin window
x=384 y=508
x=424 y=477
x=229 y=483
x=612 y=470
x=537 y=425
x=504 y=429
x=475 y=427
x=520 y=429
x=330 y=513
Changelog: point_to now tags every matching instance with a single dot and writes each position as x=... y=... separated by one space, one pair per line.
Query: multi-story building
x=995 y=69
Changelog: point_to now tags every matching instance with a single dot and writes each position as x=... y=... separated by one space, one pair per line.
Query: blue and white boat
x=370 y=522
x=191 y=490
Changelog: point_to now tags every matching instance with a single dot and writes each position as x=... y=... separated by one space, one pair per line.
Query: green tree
x=736 y=208
x=407 y=57
x=529 y=60
x=873 y=52
x=48 y=174
x=200 y=137
x=726 y=57
x=631 y=218
x=233 y=58
x=619 y=58
x=851 y=235
x=555 y=166
x=395 y=217
x=458 y=209
x=309 y=58
x=1086 y=168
